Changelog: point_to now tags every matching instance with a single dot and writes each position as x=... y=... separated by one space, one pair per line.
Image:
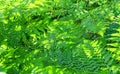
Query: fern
x=54 y=37
x=112 y=39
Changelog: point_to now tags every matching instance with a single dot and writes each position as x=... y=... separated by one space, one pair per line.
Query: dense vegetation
x=60 y=36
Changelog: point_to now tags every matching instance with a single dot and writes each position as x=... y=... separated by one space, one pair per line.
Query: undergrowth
x=60 y=36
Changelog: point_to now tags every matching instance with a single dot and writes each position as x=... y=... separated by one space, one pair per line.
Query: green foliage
x=60 y=36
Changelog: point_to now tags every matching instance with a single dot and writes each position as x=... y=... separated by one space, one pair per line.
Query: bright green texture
x=60 y=36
